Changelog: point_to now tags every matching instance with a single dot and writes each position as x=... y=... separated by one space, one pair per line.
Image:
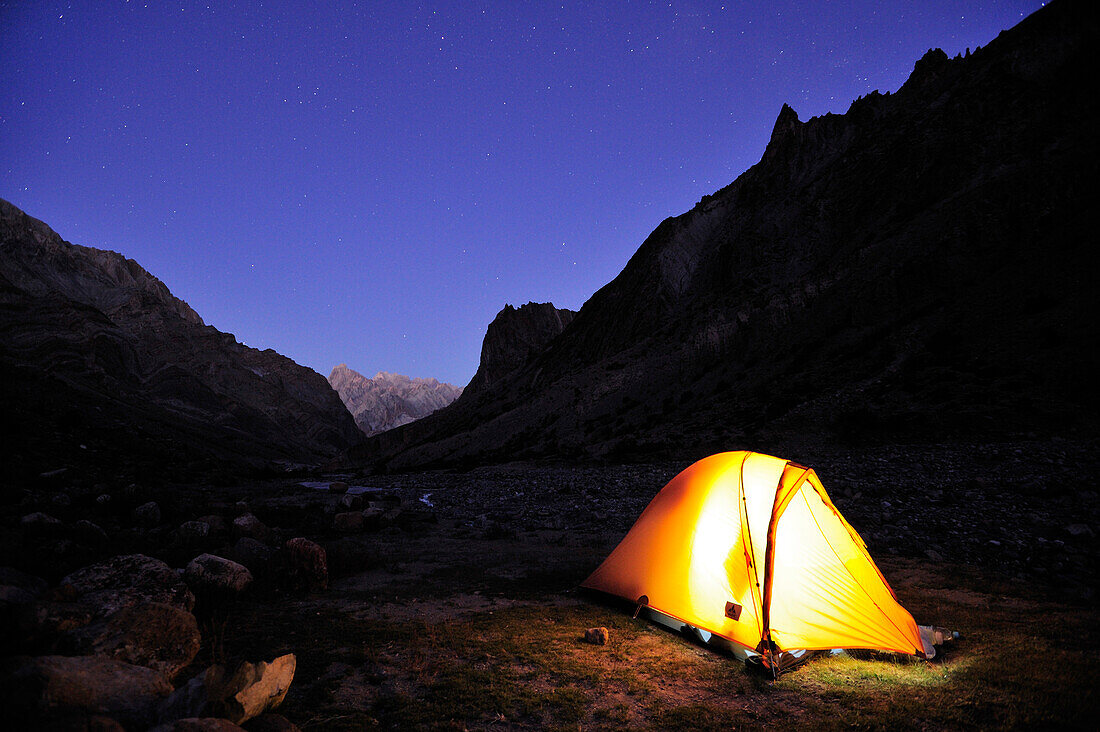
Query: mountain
x=98 y=360
x=389 y=400
x=515 y=337
x=921 y=267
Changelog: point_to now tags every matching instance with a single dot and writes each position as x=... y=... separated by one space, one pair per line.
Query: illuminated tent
x=749 y=551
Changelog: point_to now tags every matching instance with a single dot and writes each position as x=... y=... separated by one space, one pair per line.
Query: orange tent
x=748 y=549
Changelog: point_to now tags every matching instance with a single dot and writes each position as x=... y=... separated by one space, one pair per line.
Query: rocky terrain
x=397 y=601
x=99 y=363
x=389 y=400
x=918 y=268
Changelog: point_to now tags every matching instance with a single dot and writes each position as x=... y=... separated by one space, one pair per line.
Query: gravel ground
x=1026 y=511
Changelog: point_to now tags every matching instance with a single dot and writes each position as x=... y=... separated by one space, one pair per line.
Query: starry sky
x=370 y=182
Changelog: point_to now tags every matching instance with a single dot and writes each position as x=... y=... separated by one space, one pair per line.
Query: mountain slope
x=389 y=400
x=916 y=268
x=95 y=351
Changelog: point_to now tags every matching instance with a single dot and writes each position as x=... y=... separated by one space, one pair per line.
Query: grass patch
x=1021 y=664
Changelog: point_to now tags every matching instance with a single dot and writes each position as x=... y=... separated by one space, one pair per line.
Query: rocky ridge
x=389 y=400
x=515 y=336
x=98 y=358
x=914 y=269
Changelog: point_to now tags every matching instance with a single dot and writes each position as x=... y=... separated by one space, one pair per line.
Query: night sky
x=370 y=183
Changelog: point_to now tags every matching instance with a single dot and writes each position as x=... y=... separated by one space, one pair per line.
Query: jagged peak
x=786 y=123
x=927 y=69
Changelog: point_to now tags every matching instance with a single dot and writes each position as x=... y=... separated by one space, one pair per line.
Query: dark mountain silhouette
x=514 y=338
x=98 y=361
x=920 y=267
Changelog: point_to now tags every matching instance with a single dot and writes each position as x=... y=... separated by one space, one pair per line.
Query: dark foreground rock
x=157 y=636
x=247 y=692
x=49 y=690
x=109 y=586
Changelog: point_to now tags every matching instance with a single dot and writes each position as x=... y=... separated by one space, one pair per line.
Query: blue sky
x=370 y=183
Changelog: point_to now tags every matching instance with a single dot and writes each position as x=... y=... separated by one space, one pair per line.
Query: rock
x=337 y=486
x=61 y=500
x=90 y=533
x=271 y=722
x=216 y=523
x=246 y=693
x=18 y=614
x=36 y=690
x=197 y=724
x=103 y=499
x=306 y=565
x=255 y=688
x=16 y=578
x=597 y=636
x=250 y=526
x=107 y=587
x=348 y=521
x=372 y=517
x=40 y=524
x=194 y=530
x=147 y=514
x=1079 y=530
x=240 y=508
x=252 y=554
x=157 y=636
x=350 y=501
x=933 y=555
x=213 y=576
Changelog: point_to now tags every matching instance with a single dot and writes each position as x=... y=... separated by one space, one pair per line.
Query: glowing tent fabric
x=749 y=547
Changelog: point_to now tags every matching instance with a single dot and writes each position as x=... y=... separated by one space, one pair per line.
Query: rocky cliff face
x=920 y=267
x=97 y=358
x=389 y=400
x=515 y=337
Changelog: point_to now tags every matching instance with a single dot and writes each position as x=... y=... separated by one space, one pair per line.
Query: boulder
x=348 y=521
x=15 y=578
x=107 y=587
x=337 y=486
x=372 y=517
x=41 y=524
x=18 y=593
x=306 y=565
x=147 y=514
x=194 y=530
x=209 y=575
x=90 y=533
x=250 y=690
x=350 y=501
x=215 y=522
x=253 y=554
x=35 y=692
x=250 y=526
x=157 y=636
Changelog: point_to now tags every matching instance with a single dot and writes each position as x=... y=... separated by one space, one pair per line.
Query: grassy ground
x=421 y=655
